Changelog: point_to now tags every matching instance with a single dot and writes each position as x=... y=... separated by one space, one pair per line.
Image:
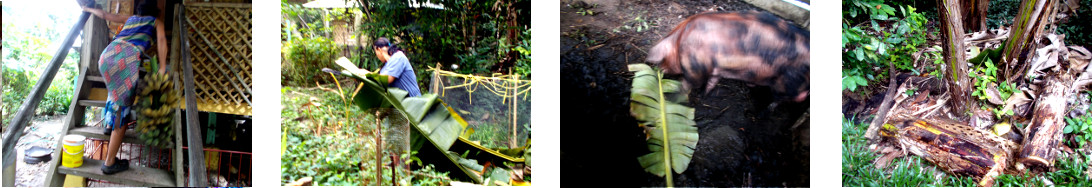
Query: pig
x=753 y=47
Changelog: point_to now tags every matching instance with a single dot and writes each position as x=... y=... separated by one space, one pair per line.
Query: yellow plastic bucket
x=73 y=151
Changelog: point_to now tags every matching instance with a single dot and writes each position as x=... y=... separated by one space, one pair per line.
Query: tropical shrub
x=871 y=45
x=305 y=58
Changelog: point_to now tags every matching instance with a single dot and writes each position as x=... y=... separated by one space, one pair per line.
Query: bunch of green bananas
x=156 y=100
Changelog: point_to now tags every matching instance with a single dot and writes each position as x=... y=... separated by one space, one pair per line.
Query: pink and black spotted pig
x=757 y=48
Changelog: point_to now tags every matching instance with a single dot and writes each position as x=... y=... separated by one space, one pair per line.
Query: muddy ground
x=741 y=142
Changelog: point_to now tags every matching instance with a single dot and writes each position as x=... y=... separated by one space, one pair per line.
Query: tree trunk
x=1028 y=25
x=952 y=37
x=1045 y=130
x=976 y=14
x=955 y=147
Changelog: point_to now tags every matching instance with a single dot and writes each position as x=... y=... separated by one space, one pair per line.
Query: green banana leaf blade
x=662 y=111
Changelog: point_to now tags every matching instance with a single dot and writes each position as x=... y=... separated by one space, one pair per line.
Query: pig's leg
x=712 y=82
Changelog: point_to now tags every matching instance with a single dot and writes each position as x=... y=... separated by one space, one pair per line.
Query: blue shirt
x=139 y=31
x=404 y=77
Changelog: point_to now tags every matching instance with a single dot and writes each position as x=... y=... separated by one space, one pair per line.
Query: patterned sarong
x=120 y=66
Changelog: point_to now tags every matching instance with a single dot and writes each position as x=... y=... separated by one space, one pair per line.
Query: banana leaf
x=432 y=120
x=655 y=102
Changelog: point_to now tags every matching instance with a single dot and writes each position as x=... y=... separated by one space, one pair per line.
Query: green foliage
x=1081 y=128
x=305 y=58
x=873 y=9
x=985 y=76
x=26 y=53
x=657 y=103
x=870 y=45
x=1078 y=31
x=638 y=24
x=342 y=156
x=478 y=35
x=1001 y=13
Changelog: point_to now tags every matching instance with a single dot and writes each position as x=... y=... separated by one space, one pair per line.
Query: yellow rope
x=505 y=86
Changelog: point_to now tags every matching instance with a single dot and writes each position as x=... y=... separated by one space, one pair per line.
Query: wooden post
x=96 y=36
x=951 y=23
x=196 y=154
x=515 y=104
x=1045 y=130
x=379 y=147
x=787 y=10
x=26 y=111
x=173 y=63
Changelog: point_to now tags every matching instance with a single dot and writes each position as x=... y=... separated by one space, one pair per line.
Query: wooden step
x=96 y=132
x=98 y=103
x=96 y=79
x=135 y=176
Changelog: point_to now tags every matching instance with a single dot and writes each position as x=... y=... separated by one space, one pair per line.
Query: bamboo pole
x=515 y=105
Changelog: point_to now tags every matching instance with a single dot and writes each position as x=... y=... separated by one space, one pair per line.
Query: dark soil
x=741 y=142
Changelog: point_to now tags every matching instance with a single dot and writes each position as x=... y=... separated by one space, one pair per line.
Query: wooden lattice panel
x=219 y=32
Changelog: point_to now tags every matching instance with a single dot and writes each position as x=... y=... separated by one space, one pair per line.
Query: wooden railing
x=197 y=159
x=26 y=111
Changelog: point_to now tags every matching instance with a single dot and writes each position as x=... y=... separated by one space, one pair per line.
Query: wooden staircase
x=91 y=92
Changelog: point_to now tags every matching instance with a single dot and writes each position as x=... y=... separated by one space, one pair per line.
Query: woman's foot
x=119 y=166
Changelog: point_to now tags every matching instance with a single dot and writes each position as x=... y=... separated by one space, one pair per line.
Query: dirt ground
x=41 y=132
x=741 y=142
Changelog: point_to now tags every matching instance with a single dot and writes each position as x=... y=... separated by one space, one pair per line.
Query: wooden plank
x=135 y=176
x=96 y=103
x=179 y=173
x=96 y=132
x=197 y=159
x=26 y=111
x=785 y=9
x=96 y=79
x=96 y=37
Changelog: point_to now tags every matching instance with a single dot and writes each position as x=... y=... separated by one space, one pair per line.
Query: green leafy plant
x=305 y=58
x=881 y=39
x=1081 y=128
x=985 y=76
x=656 y=103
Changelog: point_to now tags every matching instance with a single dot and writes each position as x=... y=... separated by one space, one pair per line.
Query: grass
x=858 y=169
x=913 y=171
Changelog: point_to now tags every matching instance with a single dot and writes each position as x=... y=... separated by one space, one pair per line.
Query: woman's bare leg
x=115 y=142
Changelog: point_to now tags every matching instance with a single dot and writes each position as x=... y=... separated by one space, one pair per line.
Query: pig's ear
x=660 y=51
